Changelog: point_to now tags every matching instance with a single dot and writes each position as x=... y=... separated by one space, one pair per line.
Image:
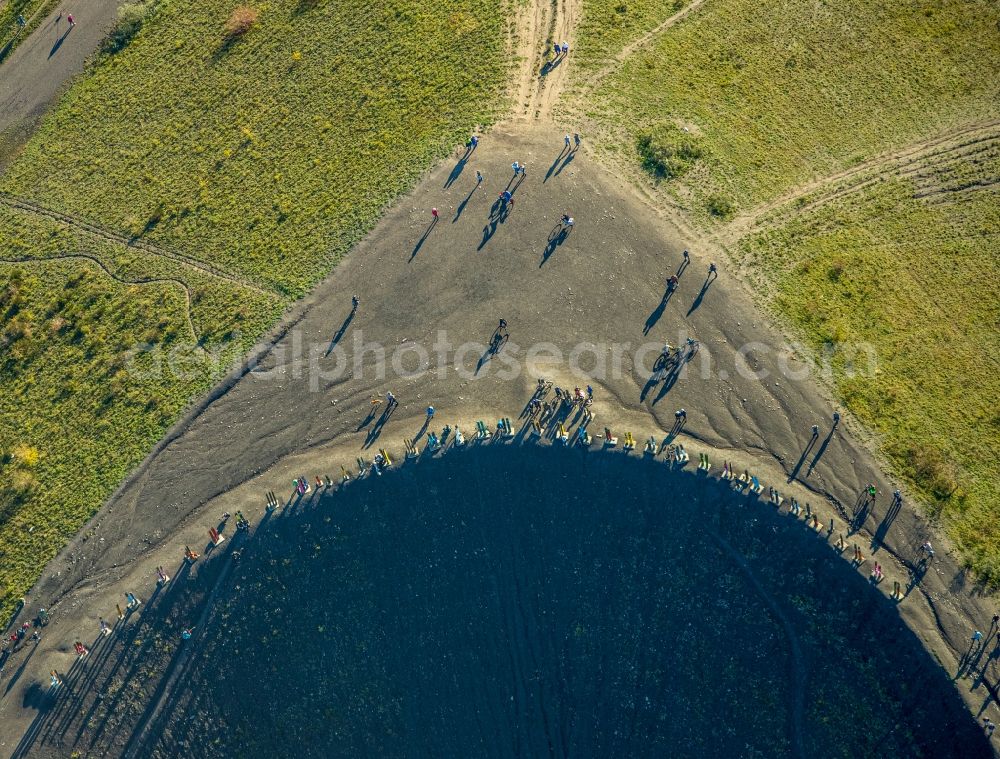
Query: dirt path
x=36 y=73
x=541 y=80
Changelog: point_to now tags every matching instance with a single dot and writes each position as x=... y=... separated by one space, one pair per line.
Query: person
x=186 y=633
x=105 y=628
x=672 y=282
x=567 y=220
x=989 y=726
x=681 y=415
x=479 y=177
x=516 y=167
x=131 y=601
x=502 y=326
x=430 y=412
x=390 y=399
x=565 y=48
x=576 y=140
x=354 y=303
x=666 y=349
x=590 y=391
x=713 y=270
x=566 y=138
x=506 y=196
x=815 y=430
x=21 y=20
x=71 y=20
x=836 y=418
x=687 y=256
x=976 y=636
x=473 y=142
x=556 y=49
x=928 y=549
x=434 y=213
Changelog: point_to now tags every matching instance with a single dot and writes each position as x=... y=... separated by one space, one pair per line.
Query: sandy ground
x=451 y=282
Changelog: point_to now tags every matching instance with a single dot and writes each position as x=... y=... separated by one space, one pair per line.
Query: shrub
x=720 y=206
x=667 y=153
x=130 y=19
x=240 y=22
x=932 y=472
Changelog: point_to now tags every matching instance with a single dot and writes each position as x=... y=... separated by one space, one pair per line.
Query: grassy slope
x=608 y=26
x=777 y=94
x=67 y=329
x=267 y=164
x=246 y=156
x=783 y=92
x=916 y=278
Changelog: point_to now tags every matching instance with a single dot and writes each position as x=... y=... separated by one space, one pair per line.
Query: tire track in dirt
x=103 y=267
x=540 y=83
x=28 y=206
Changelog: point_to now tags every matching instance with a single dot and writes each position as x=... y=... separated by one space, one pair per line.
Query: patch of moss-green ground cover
x=272 y=155
x=85 y=367
x=914 y=276
x=780 y=93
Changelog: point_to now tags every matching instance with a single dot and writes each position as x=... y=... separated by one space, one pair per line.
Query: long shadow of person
x=464 y=203
x=459 y=167
x=557 y=237
x=821 y=451
x=566 y=162
x=883 y=528
x=58 y=42
x=657 y=312
x=701 y=294
x=798 y=465
x=555 y=163
x=423 y=238
x=339 y=334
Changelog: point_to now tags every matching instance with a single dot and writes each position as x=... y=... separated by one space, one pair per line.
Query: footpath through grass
x=266 y=155
x=775 y=94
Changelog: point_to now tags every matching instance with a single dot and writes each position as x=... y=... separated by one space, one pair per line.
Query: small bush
x=667 y=153
x=240 y=22
x=130 y=19
x=932 y=472
x=720 y=206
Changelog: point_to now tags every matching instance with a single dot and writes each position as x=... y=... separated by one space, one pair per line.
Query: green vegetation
x=609 y=25
x=909 y=267
x=271 y=156
x=667 y=153
x=130 y=20
x=86 y=357
x=781 y=92
x=252 y=162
